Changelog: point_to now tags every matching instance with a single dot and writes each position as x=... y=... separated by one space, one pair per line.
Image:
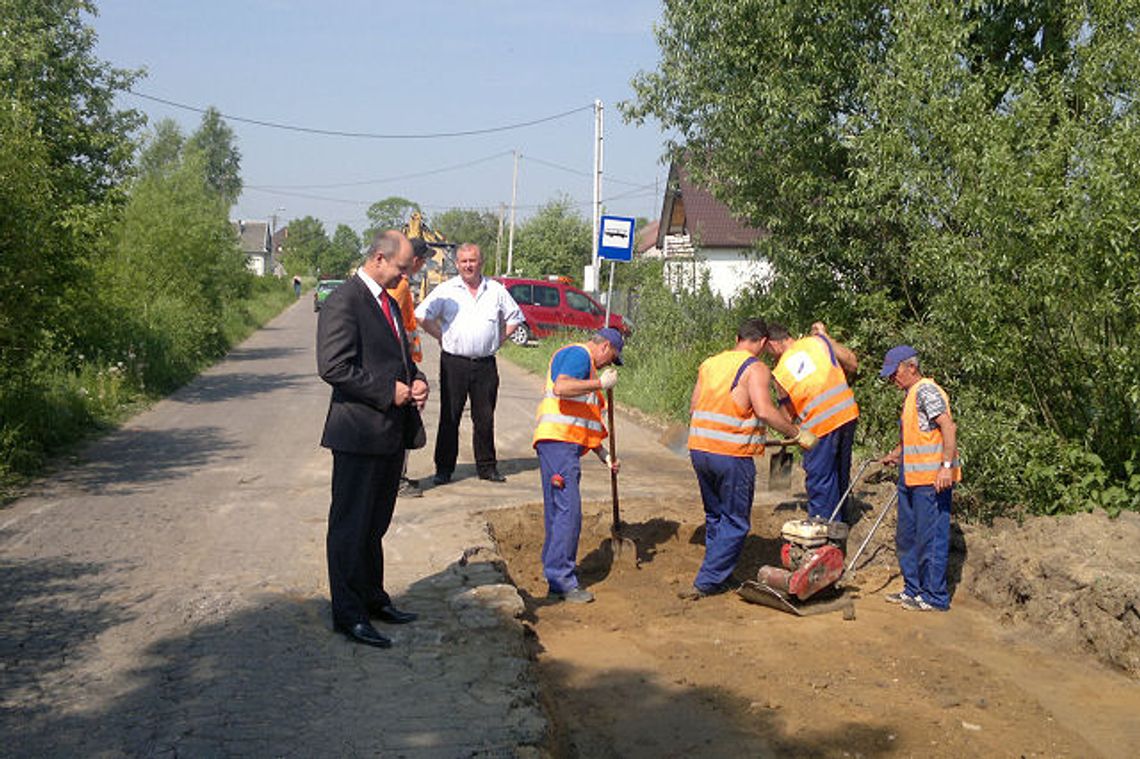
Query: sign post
x=615 y=242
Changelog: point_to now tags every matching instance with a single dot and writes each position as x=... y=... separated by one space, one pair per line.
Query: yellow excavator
x=441 y=264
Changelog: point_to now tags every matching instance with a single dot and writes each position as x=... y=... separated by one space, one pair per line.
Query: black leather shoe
x=441 y=478
x=392 y=615
x=493 y=476
x=363 y=632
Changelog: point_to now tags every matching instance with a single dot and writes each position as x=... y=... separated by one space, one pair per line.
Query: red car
x=551 y=304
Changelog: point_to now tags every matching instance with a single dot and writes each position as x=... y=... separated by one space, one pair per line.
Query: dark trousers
x=363 y=498
x=727 y=485
x=459 y=378
x=827 y=471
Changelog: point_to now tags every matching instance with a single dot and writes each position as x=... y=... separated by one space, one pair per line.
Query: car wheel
x=521 y=336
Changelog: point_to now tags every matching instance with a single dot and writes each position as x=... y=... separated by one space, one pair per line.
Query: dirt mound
x=1074 y=578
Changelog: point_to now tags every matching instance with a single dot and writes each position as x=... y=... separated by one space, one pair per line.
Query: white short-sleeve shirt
x=471 y=325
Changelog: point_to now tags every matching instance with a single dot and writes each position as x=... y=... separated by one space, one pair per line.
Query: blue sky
x=402 y=68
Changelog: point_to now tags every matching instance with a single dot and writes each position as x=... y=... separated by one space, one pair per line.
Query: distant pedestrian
x=730 y=410
x=372 y=418
x=296 y=286
x=569 y=425
x=927 y=455
x=811 y=381
x=402 y=292
x=471 y=316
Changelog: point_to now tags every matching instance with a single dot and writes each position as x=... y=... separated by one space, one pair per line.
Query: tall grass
x=54 y=400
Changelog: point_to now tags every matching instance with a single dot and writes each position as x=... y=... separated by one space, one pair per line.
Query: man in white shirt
x=470 y=316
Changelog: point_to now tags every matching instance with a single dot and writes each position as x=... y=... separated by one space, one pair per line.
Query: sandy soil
x=642 y=673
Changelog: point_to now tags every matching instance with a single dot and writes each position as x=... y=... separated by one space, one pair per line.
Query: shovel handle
x=613 y=455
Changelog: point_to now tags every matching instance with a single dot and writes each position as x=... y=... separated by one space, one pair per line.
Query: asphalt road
x=165 y=592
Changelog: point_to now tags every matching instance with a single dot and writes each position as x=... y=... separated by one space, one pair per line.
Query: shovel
x=780 y=466
x=624 y=550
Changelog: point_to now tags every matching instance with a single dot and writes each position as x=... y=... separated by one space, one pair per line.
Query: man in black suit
x=377 y=392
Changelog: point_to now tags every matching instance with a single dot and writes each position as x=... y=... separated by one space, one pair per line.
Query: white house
x=697 y=236
x=256 y=244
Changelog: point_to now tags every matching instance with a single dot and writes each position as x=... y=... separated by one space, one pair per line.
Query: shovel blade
x=676 y=439
x=623 y=551
x=780 y=469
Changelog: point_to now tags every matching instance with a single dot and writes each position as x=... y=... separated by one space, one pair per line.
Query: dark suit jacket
x=358 y=355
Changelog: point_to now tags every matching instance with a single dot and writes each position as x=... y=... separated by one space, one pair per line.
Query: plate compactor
x=812 y=556
x=812 y=560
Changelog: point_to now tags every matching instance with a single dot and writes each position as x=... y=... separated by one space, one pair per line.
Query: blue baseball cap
x=615 y=339
x=894 y=357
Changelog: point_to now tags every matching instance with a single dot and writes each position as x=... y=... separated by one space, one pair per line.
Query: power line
x=382 y=180
x=365 y=135
x=579 y=172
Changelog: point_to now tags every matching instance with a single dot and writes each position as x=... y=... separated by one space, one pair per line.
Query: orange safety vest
x=922 y=451
x=717 y=424
x=403 y=295
x=816 y=385
x=577 y=419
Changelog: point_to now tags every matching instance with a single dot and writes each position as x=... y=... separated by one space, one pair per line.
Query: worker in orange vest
x=402 y=293
x=568 y=426
x=927 y=455
x=730 y=410
x=811 y=381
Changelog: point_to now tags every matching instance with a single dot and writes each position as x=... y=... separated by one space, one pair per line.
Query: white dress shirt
x=471 y=325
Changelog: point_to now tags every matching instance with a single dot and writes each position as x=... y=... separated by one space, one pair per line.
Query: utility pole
x=511 y=235
x=499 y=242
x=598 y=127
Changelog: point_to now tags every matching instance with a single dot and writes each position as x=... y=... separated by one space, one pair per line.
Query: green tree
x=555 y=241
x=390 y=213
x=163 y=151
x=962 y=178
x=65 y=153
x=344 y=250
x=215 y=140
x=461 y=225
x=306 y=249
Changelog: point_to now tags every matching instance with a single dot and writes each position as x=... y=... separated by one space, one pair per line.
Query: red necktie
x=388 y=314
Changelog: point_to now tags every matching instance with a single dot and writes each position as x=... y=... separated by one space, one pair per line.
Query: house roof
x=279 y=238
x=647 y=238
x=689 y=209
x=254 y=235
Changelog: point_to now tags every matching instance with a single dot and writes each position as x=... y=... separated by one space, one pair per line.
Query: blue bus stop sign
x=615 y=238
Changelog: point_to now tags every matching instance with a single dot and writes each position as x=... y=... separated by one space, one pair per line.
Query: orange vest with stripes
x=577 y=419
x=717 y=424
x=403 y=295
x=922 y=451
x=816 y=385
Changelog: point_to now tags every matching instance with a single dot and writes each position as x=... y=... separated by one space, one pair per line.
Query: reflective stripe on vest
x=816 y=385
x=717 y=425
x=576 y=419
x=922 y=451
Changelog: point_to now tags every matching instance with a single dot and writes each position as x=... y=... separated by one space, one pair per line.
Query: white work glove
x=608 y=378
x=805 y=439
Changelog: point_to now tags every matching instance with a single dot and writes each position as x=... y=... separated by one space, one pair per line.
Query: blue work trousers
x=922 y=540
x=727 y=485
x=827 y=470
x=562 y=512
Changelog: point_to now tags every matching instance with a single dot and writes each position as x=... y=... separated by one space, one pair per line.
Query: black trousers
x=363 y=499
x=460 y=378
